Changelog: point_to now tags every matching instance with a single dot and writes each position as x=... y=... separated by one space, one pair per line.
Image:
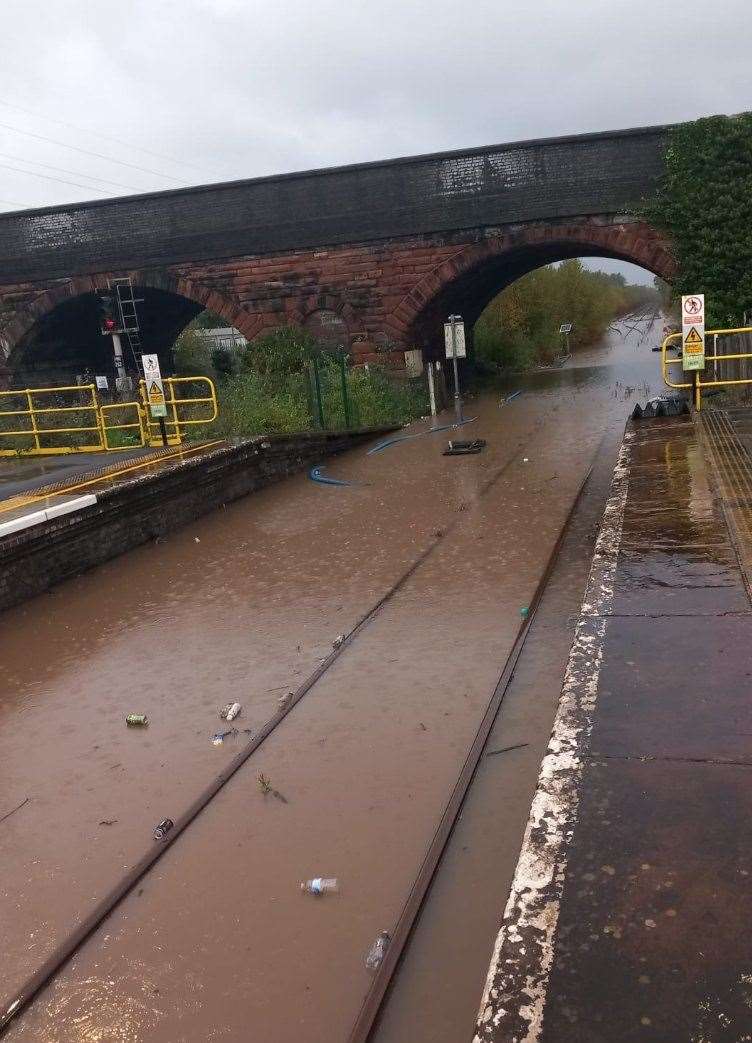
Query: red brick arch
x=544 y=242
x=222 y=305
x=391 y=294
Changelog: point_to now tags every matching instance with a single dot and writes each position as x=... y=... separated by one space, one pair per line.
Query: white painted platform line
x=515 y=992
x=69 y=506
x=26 y=521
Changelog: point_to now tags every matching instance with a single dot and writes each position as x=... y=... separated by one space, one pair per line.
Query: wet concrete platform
x=630 y=909
x=19 y=477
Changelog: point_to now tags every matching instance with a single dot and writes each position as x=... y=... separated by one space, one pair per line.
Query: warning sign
x=154 y=385
x=693 y=341
x=693 y=331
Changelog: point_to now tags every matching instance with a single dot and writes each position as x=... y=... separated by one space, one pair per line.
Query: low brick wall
x=37 y=558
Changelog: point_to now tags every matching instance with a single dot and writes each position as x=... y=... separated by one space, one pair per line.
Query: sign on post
x=693 y=332
x=102 y=384
x=154 y=387
x=566 y=327
x=459 y=333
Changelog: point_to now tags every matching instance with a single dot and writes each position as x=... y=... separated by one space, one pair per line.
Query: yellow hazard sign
x=693 y=342
x=156 y=395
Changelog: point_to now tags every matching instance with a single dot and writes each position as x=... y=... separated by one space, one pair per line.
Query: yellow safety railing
x=183 y=410
x=71 y=419
x=136 y=425
x=48 y=423
x=697 y=383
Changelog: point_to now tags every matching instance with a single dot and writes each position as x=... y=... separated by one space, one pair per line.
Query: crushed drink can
x=137 y=720
x=163 y=828
x=230 y=712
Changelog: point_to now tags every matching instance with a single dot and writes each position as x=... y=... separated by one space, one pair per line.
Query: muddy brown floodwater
x=217 y=942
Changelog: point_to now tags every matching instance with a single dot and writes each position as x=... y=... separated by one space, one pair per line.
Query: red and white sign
x=693 y=331
x=693 y=310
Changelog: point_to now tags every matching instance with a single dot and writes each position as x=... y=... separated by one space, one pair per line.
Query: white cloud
x=240 y=88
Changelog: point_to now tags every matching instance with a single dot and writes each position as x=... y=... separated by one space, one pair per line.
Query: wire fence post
x=317 y=393
x=345 y=395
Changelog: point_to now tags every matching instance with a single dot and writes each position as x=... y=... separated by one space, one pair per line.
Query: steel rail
x=11 y=1006
x=376 y=995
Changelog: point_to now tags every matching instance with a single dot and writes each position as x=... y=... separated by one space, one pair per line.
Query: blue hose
x=448 y=427
x=316 y=476
x=381 y=446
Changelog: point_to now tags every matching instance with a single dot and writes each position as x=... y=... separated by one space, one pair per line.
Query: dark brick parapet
x=604 y=173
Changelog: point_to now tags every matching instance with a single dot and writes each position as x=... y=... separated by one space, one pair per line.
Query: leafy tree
x=286 y=349
x=704 y=202
x=520 y=327
x=207 y=320
x=192 y=354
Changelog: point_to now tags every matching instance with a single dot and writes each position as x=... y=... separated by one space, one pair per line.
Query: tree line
x=520 y=327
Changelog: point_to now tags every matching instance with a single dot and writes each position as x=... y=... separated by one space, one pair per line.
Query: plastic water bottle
x=320 y=885
x=377 y=952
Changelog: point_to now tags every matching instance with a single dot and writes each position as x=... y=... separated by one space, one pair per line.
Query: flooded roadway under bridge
x=217 y=941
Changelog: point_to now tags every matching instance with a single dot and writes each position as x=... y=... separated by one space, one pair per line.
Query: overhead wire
x=15 y=202
x=105 y=137
x=65 y=170
x=51 y=177
x=88 y=152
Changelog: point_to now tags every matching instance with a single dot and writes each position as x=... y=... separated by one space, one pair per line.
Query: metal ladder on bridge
x=129 y=316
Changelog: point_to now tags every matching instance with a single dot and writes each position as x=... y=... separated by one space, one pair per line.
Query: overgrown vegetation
x=705 y=205
x=267 y=386
x=520 y=327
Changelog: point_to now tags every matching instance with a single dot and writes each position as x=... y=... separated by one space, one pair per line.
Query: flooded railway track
x=11 y=1006
x=374 y=760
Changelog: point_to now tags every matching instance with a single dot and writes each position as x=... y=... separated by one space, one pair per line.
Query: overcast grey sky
x=202 y=90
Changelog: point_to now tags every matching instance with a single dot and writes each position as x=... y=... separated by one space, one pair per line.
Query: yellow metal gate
x=720 y=370
x=71 y=419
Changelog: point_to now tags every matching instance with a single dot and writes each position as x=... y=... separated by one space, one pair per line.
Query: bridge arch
x=468 y=280
x=195 y=292
x=68 y=313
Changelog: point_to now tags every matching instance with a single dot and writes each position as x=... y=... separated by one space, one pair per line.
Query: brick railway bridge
x=371 y=256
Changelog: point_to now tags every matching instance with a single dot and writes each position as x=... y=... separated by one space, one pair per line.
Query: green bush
x=377 y=398
x=254 y=402
x=251 y=404
x=288 y=349
x=192 y=355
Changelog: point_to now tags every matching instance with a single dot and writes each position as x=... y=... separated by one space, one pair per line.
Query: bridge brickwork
x=382 y=250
